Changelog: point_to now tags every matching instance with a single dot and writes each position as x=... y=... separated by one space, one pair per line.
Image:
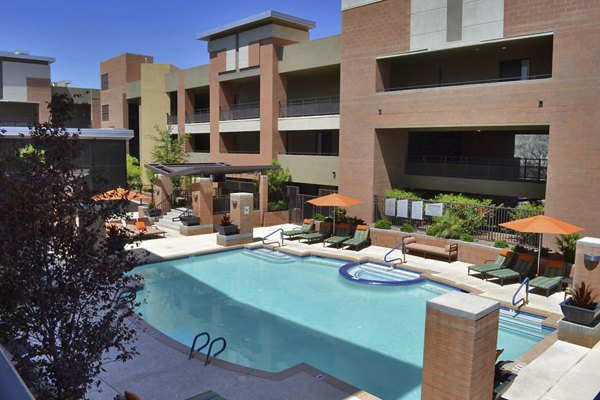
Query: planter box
x=189 y=220
x=227 y=229
x=577 y=315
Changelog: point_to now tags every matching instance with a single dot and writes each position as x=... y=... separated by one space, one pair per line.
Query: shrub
x=465 y=237
x=407 y=228
x=502 y=244
x=279 y=205
x=402 y=194
x=566 y=246
x=383 y=224
x=474 y=212
x=450 y=226
x=318 y=217
x=521 y=249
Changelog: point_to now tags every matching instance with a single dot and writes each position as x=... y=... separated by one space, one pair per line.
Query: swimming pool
x=277 y=310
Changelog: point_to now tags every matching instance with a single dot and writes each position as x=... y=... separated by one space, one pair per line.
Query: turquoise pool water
x=277 y=310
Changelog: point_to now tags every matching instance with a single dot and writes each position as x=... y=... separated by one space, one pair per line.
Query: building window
x=105 y=112
x=104 y=82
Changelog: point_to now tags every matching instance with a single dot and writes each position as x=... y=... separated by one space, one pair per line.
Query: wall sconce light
x=195 y=197
x=158 y=192
x=590 y=261
x=380 y=111
x=541 y=103
x=234 y=202
x=333 y=173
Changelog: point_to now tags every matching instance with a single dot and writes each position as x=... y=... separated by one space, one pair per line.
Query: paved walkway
x=160 y=371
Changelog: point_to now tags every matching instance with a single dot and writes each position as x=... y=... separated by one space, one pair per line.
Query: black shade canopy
x=203 y=169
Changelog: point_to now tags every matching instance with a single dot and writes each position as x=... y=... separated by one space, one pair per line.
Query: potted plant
x=503 y=378
x=580 y=307
x=226 y=227
x=189 y=220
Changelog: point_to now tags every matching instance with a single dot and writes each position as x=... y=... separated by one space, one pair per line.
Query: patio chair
x=307 y=227
x=552 y=277
x=519 y=270
x=210 y=395
x=502 y=261
x=342 y=234
x=361 y=236
x=325 y=231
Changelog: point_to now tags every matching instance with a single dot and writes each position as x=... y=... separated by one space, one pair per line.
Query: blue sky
x=80 y=34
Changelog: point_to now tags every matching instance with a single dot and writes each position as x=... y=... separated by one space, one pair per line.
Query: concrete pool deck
x=163 y=371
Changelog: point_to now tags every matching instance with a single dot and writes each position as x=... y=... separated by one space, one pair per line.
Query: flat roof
x=86 y=133
x=25 y=57
x=256 y=20
x=186 y=169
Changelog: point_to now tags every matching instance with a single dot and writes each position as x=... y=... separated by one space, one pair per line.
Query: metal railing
x=240 y=111
x=272 y=233
x=172 y=119
x=326 y=105
x=208 y=354
x=25 y=122
x=221 y=203
x=401 y=259
x=522 y=301
x=503 y=169
x=472 y=82
x=199 y=115
x=485 y=219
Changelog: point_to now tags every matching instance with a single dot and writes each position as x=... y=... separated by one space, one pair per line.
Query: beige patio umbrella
x=334 y=200
x=542 y=224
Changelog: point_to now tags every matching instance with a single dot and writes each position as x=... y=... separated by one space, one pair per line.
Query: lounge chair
x=342 y=234
x=552 y=277
x=307 y=227
x=141 y=229
x=210 y=395
x=361 y=235
x=325 y=231
x=502 y=261
x=519 y=270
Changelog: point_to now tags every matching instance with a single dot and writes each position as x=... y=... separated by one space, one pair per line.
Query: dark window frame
x=104 y=81
x=105 y=112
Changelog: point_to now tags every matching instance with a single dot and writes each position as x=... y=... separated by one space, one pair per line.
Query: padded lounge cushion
x=427 y=248
x=140 y=225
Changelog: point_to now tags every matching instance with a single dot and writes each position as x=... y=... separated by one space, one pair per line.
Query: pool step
x=326 y=261
x=275 y=257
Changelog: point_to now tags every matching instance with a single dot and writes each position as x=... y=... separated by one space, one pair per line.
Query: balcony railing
x=172 y=119
x=462 y=83
x=241 y=111
x=199 y=116
x=17 y=121
x=311 y=153
x=327 y=105
x=503 y=169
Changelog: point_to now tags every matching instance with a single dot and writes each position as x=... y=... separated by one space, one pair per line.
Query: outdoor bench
x=449 y=250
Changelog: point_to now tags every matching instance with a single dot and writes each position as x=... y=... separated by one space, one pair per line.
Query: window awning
x=205 y=169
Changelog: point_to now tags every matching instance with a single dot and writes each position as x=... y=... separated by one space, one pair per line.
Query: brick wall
x=38 y=91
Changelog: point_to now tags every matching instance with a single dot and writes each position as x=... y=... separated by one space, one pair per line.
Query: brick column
x=163 y=187
x=202 y=200
x=263 y=191
x=240 y=215
x=461 y=333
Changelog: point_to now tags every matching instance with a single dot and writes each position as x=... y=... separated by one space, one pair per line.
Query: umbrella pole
x=334 y=212
x=539 y=254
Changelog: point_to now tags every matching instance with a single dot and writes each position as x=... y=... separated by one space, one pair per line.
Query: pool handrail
x=522 y=301
x=194 y=343
x=402 y=259
x=272 y=233
x=208 y=356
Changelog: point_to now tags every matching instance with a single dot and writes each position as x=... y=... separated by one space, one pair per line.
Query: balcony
x=506 y=60
x=199 y=116
x=327 y=105
x=241 y=111
x=501 y=169
x=25 y=122
x=172 y=119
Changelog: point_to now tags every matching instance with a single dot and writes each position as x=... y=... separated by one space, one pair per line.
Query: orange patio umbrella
x=542 y=224
x=120 y=194
x=334 y=200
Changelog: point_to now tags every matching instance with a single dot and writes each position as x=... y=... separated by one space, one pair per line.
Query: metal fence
x=326 y=105
x=221 y=204
x=489 y=218
x=241 y=111
x=198 y=116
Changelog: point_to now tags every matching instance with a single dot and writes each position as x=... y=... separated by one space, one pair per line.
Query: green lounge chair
x=307 y=227
x=361 y=235
x=504 y=258
x=340 y=237
x=552 y=277
x=519 y=270
x=325 y=231
x=210 y=395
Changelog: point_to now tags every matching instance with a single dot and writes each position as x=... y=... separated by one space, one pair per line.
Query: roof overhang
x=204 y=169
x=254 y=21
x=109 y=133
x=26 y=57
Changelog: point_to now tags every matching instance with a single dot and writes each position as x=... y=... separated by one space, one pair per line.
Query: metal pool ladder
x=272 y=233
x=402 y=259
x=522 y=301
x=208 y=355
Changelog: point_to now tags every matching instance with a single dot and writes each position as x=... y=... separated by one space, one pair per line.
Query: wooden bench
x=411 y=245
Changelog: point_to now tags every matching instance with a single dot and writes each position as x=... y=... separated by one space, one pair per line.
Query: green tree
x=168 y=148
x=134 y=174
x=60 y=274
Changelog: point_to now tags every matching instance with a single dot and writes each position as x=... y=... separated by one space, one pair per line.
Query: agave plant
x=581 y=296
x=226 y=220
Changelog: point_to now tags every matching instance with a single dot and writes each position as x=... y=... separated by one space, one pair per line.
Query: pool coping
x=550 y=319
